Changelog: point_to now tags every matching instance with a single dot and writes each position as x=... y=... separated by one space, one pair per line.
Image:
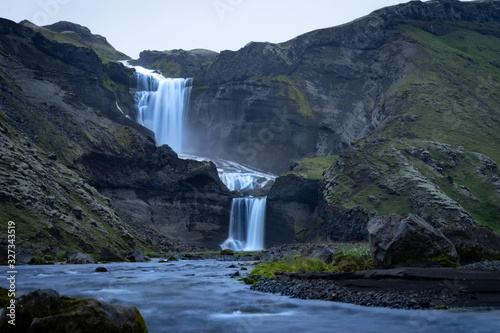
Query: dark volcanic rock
x=267 y=104
x=177 y=63
x=79 y=258
x=136 y=256
x=46 y=311
x=342 y=225
x=65 y=137
x=291 y=207
x=473 y=243
x=109 y=255
x=396 y=240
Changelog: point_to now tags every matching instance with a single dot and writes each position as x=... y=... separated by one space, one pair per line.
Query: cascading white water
x=248 y=215
x=162 y=103
x=246 y=227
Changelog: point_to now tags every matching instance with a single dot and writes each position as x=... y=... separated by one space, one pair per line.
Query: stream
x=199 y=296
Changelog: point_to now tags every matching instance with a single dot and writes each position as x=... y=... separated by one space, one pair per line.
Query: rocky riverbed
x=472 y=286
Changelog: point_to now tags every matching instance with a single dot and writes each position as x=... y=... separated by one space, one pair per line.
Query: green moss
x=249 y=280
x=457 y=76
x=38 y=261
x=313 y=167
x=442 y=307
x=289 y=89
x=4 y=298
x=269 y=270
x=344 y=188
x=167 y=68
x=126 y=138
x=442 y=260
x=375 y=198
x=28 y=223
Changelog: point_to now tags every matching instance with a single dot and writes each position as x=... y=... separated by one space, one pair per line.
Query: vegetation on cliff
x=441 y=146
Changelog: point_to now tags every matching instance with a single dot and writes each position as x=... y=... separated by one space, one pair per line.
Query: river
x=199 y=296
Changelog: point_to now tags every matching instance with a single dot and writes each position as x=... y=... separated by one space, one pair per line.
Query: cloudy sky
x=132 y=26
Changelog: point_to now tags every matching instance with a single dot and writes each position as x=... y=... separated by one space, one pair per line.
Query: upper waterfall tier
x=162 y=104
x=235 y=176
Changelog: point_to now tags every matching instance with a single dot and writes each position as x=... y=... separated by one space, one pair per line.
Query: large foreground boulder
x=395 y=240
x=473 y=243
x=45 y=311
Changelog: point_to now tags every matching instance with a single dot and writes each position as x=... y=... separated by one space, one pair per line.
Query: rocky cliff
x=77 y=172
x=267 y=104
x=403 y=103
x=434 y=153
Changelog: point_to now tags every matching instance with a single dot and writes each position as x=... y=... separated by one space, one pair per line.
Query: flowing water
x=246 y=226
x=161 y=106
x=198 y=296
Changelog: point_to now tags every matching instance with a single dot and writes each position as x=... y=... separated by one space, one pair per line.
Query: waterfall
x=162 y=103
x=246 y=226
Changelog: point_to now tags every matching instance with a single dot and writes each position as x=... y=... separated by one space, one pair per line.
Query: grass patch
x=353 y=258
x=456 y=92
x=269 y=270
x=313 y=167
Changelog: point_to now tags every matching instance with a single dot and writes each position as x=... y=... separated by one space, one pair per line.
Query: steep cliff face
x=434 y=155
x=66 y=141
x=267 y=104
x=312 y=96
x=315 y=100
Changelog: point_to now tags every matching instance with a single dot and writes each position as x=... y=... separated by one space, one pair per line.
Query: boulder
x=109 y=255
x=79 y=258
x=23 y=257
x=136 y=256
x=473 y=243
x=227 y=252
x=47 y=311
x=396 y=240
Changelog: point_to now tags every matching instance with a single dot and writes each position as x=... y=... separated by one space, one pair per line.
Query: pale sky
x=132 y=26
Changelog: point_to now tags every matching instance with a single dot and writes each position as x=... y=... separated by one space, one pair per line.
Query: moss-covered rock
x=396 y=240
x=47 y=311
x=473 y=243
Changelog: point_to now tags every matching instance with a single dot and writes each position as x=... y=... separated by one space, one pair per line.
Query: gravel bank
x=404 y=288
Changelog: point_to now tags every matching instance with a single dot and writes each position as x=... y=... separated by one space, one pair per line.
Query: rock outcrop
x=292 y=206
x=109 y=255
x=79 y=258
x=47 y=311
x=397 y=240
x=67 y=139
x=177 y=63
x=136 y=256
x=266 y=104
x=473 y=243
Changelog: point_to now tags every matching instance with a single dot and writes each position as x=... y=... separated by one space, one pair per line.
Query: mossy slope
x=438 y=155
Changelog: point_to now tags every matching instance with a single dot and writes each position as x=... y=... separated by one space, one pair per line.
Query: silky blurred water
x=198 y=296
